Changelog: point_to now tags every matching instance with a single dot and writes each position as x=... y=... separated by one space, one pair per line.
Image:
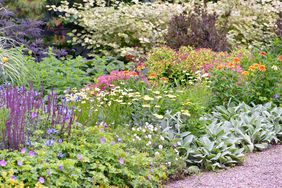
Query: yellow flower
x=5 y=59
x=148 y=98
x=146 y=106
x=158 y=116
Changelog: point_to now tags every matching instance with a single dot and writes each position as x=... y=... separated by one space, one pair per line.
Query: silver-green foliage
x=213 y=150
x=230 y=132
x=257 y=126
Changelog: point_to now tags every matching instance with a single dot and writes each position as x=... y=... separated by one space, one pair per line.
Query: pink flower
x=3 y=163
x=23 y=151
x=121 y=161
x=41 y=180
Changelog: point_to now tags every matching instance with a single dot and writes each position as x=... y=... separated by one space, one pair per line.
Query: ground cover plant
x=149 y=113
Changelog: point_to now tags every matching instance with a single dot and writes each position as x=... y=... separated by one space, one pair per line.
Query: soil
x=260 y=170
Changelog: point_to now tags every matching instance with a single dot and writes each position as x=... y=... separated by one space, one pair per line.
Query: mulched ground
x=260 y=170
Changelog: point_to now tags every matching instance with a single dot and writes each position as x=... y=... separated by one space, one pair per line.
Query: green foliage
x=60 y=75
x=99 y=66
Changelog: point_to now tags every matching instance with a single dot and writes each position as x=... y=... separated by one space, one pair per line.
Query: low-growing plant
x=256 y=126
x=93 y=156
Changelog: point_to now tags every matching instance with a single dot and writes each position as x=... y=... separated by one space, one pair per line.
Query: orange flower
x=263 y=54
x=280 y=58
x=256 y=65
x=132 y=73
x=140 y=67
x=164 y=79
x=230 y=65
x=252 y=68
x=219 y=67
x=236 y=60
x=152 y=75
x=245 y=73
x=262 y=68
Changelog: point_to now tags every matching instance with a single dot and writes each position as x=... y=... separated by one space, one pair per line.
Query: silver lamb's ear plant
x=13 y=67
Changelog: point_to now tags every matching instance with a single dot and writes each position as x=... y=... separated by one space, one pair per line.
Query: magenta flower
x=3 y=163
x=41 y=180
x=121 y=161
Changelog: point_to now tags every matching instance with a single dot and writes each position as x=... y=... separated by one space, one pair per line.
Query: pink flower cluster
x=106 y=81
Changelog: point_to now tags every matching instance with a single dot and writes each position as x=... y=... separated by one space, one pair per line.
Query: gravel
x=260 y=170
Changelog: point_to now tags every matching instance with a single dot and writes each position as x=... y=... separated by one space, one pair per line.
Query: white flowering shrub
x=250 y=23
x=118 y=28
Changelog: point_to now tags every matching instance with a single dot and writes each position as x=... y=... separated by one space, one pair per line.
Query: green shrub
x=60 y=75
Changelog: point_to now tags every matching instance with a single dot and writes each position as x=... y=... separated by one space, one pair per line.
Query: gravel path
x=260 y=170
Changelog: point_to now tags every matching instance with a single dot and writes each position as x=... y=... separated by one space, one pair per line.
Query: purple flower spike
x=19 y=163
x=121 y=161
x=79 y=157
x=61 y=168
x=41 y=180
x=102 y=140
x=60 y=140
x=3 y=163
